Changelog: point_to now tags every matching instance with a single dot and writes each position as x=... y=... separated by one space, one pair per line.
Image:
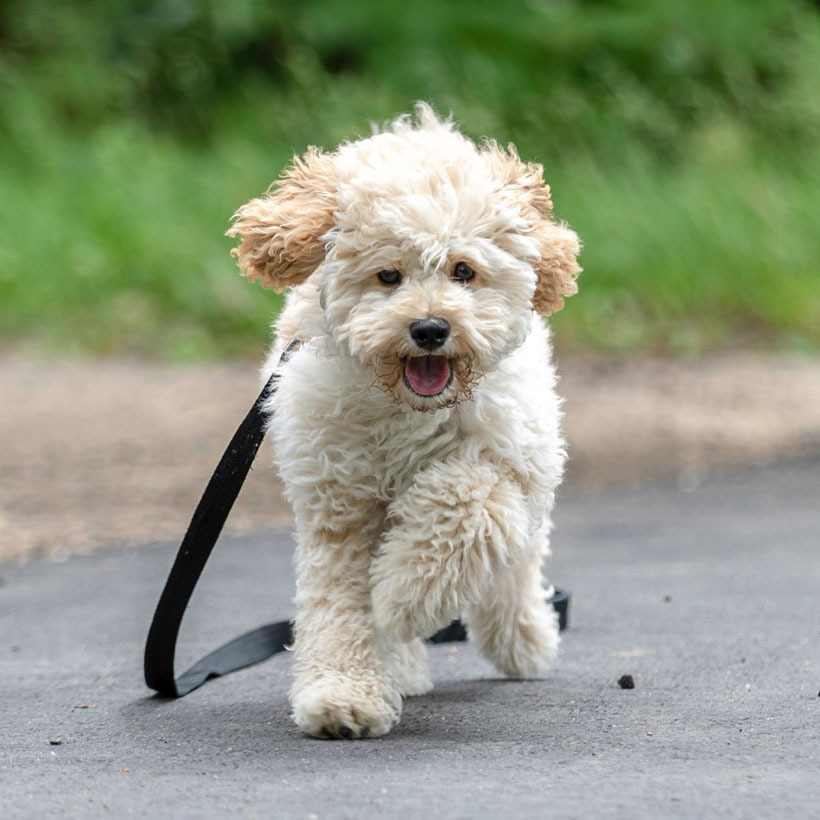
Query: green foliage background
x=681 y=139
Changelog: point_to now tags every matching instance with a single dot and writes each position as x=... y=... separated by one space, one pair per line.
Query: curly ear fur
x=282 y=231
x=523 y=185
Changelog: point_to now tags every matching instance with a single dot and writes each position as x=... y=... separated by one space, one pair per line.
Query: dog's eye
x=389 y=277
x=462 y=272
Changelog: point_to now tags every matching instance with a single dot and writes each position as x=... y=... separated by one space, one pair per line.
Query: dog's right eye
x=389 y=277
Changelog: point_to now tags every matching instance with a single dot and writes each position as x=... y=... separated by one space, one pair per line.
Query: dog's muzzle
x=428 y=375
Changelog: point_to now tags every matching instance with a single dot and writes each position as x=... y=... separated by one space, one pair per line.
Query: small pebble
x=57 y=741
x=626 y=682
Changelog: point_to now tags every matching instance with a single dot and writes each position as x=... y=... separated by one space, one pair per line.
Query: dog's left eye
x=389 y=277
x=462 y=272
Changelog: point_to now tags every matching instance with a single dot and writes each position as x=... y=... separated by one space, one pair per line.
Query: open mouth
x=428 y=375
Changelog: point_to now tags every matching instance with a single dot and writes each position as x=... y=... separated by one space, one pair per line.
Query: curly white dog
x=417 y=426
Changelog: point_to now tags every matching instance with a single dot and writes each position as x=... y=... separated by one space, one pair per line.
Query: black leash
x=203 y=531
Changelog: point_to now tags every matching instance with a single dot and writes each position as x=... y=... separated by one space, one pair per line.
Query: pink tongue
x=428 y=375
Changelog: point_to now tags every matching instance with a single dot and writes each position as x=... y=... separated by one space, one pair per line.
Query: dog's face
x=430 y=253
x=428 y=279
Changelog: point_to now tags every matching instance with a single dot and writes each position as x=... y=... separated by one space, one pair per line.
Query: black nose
x=430 y=333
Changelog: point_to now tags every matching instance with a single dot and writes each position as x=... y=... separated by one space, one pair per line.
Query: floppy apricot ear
x=557 y=269
x=281 y=231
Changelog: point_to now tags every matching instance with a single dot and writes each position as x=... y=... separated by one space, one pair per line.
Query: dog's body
x=417 y=425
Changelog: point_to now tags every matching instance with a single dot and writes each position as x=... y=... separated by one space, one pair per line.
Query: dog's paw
x=337 y=707
x=523 y=649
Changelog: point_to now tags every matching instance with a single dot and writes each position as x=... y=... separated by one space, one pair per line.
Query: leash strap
x=206 y=524
x=203 y=531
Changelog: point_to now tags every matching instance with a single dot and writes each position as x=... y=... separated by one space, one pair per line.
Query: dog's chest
x=400 y=448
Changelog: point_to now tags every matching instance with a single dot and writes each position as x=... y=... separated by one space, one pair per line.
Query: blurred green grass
x=682 y=142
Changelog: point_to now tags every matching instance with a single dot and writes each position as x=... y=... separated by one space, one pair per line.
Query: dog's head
x=430 y=252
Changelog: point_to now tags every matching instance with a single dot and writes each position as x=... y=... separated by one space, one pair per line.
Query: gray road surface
x=710 y=599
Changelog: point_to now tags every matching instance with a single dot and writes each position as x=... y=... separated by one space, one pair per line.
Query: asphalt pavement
x=709 y=598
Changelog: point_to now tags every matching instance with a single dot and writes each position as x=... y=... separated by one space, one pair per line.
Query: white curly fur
x=412 y=509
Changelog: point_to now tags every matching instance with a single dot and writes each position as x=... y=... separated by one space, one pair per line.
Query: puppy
x=416 y=427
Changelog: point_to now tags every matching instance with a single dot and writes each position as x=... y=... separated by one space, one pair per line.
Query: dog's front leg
x=457 y=526
x=511 y=624
x=342 y=685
